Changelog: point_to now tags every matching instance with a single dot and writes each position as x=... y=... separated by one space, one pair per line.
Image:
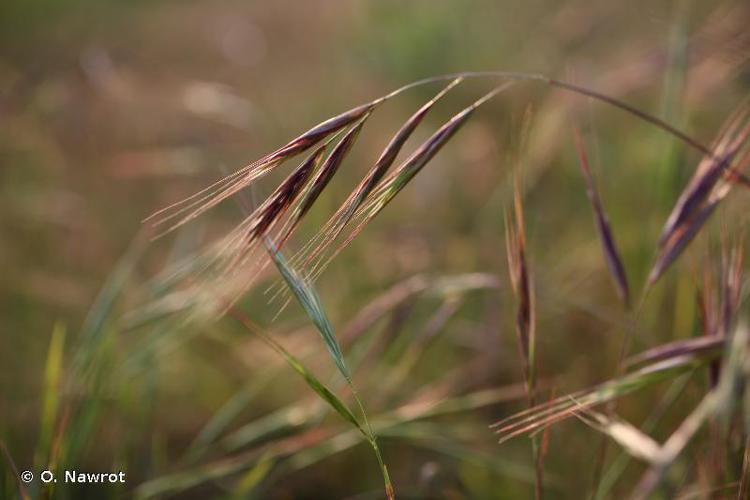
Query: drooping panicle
x=203 y=200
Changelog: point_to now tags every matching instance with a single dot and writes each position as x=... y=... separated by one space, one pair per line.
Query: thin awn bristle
x=219 y=191
x=541 y=415
x=544 y=423
x=523 y=416
x=609 y=246
x=205 y=203
x=198 y=203
x=184 y=204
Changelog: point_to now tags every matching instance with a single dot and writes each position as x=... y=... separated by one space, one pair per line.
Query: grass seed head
x=609 y=246
x=701 y=196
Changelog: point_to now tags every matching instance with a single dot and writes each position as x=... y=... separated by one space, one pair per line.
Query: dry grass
x=419 y=370
x=721 y=168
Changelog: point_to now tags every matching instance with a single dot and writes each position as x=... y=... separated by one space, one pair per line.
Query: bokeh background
x=110 y=110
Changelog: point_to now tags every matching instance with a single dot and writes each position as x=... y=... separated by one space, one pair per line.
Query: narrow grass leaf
x=95 y=333
x=319 y=387
x=253 y=477
x=52 y=393
x=308 y=298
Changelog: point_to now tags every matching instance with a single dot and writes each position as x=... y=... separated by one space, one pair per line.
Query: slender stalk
x=372 y=438
x=389 y=491
x=561 y=84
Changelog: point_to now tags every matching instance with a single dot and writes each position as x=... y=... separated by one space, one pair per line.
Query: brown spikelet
x=323 y=130
x=706 y=175
x=391 y=151
x=520 y=277
x=321 y=179
x=702 y=195
x=343 y=215
x=611 y=253
x=286 y=193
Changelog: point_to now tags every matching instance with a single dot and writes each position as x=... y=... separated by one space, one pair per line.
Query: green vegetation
x=506 y=283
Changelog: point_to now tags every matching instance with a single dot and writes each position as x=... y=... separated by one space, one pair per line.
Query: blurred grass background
x=110 y=110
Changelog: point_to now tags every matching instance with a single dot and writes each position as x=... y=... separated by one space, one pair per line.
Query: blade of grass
x=51 y=399
x=321 y=389
x=308 y=297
